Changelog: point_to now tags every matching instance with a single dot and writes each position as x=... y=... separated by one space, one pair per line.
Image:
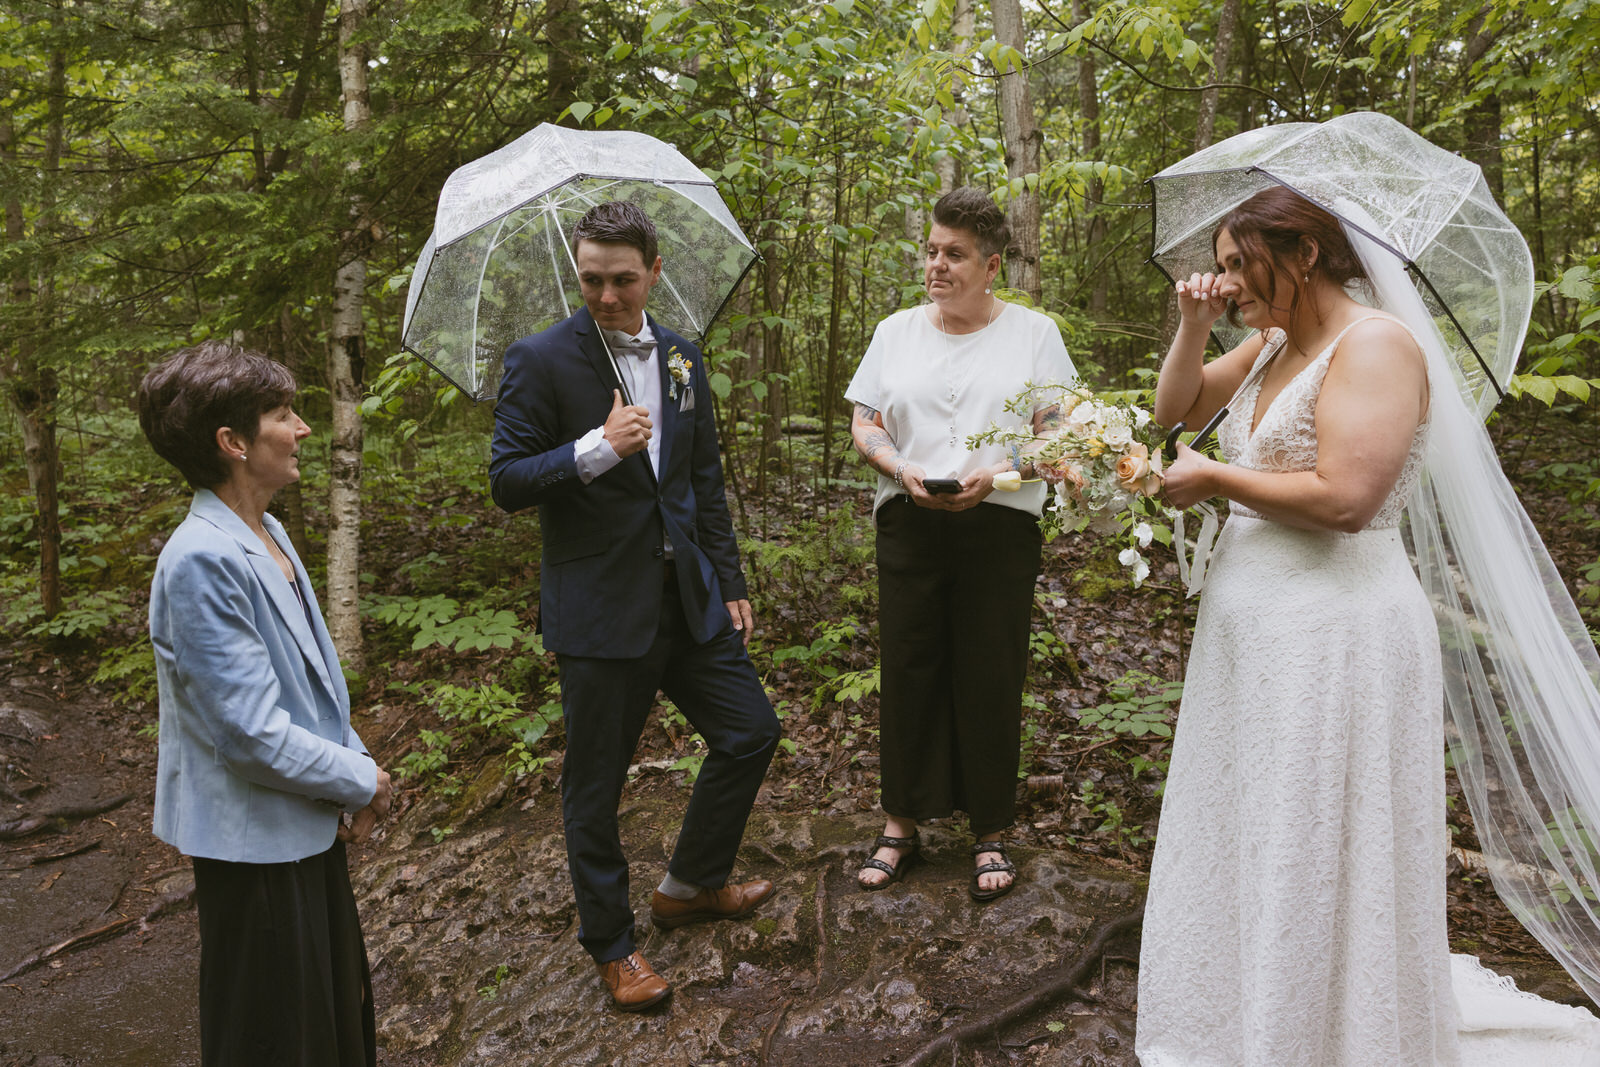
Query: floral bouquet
x=1104 y=459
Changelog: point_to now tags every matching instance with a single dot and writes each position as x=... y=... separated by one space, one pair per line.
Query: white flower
x=1008 y=481
x=1141 y=571
x=1129 y=556
x=1118 y=434
x=1142 y=533
x=1141 y=418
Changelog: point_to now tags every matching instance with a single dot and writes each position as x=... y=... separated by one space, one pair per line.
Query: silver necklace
x=950 y=347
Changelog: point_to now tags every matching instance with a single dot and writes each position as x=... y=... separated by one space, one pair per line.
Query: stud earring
x=243 y=458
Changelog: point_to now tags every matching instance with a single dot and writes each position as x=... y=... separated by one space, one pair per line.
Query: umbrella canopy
x=499 y=265
x=1429 y=207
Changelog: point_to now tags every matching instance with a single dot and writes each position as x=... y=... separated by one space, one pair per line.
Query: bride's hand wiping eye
x=1199 y=299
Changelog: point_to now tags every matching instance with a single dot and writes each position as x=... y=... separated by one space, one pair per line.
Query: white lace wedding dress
x=1296 y=915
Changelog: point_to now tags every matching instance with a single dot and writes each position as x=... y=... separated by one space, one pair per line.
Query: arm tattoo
x=871 y=439
x=874 y=443
x=1046 y=419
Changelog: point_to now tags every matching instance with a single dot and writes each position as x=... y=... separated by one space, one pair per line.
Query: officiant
x=956 y=562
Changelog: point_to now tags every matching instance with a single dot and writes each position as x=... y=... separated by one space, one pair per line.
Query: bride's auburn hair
x=1273 y=230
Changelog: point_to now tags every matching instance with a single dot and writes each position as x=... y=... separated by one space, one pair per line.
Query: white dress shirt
x=592 y=452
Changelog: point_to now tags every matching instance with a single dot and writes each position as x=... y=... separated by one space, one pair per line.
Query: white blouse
x=935 y=390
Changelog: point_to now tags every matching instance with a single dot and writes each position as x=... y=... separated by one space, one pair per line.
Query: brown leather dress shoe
x=633 y=985
x=729 y=902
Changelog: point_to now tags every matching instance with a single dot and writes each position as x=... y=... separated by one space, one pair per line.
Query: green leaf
x=1577 y=283
x=579 y=110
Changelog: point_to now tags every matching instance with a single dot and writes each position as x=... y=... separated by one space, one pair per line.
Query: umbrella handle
x=1170 y=446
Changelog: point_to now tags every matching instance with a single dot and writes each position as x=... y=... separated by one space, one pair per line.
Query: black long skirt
x=955 y=592
x=283 y=968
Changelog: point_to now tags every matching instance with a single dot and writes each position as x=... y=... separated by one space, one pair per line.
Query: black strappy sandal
x=1005 y=866
x=908 y=847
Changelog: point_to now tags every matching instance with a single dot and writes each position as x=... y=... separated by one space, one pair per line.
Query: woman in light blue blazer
x=257 y=758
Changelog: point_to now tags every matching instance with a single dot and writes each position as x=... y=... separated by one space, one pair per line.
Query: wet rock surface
x=477 y=962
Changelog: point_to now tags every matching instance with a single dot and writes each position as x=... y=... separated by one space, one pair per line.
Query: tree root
x=59 y=819
x=52 y=857
x=169 y=902
x=1047 y=992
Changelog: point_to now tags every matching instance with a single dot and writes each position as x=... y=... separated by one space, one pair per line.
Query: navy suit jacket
x=601 y=577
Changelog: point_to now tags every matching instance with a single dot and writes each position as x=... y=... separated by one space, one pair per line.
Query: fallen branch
x=167 y=903
x=52 y=857
x=59 y=819
x=949 y=1042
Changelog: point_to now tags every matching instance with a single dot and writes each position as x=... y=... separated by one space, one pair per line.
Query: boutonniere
x=680 y=369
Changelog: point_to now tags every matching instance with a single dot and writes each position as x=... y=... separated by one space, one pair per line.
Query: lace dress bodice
x=1286 y=439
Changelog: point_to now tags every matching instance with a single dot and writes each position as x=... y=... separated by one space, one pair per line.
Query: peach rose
x=1133 y=469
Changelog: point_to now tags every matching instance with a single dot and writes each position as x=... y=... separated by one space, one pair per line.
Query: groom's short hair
x=618 y=222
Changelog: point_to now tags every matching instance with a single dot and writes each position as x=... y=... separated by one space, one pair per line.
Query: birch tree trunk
x=1022 y=140
x=346 y=364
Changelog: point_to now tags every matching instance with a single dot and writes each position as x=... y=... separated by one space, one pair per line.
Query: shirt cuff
x=593 y=455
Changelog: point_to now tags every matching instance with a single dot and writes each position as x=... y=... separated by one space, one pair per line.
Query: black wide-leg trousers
x=955 y=593
x=605 y=703
x=283 y=968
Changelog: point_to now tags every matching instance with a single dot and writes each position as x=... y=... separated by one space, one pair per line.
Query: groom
x=640 y=587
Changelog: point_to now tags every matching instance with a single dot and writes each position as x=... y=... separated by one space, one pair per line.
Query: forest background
x=267 y=170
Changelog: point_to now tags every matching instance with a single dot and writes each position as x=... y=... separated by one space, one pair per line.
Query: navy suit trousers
x=605 y=703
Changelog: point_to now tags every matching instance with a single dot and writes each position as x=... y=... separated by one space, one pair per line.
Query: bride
x=1296 y=913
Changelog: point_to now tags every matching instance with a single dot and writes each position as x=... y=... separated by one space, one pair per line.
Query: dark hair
x=971 y=209
x=618 y=222
x=1270 y=229
x=187 y=397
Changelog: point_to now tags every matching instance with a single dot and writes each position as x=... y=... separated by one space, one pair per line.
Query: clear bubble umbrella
x=1428 y=207
x=499 y=265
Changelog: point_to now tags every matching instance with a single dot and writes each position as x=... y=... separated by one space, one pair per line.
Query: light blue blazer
x=257 y=757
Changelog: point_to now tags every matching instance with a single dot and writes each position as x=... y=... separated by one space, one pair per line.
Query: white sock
x=677 y=890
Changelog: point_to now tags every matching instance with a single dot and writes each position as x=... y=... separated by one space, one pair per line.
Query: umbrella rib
x=566 y=246
x=1412 y=267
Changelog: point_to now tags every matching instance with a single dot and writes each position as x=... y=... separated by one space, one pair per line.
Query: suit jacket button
x=658 y=552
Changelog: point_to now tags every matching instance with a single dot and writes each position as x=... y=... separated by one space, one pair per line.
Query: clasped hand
x=627 y=426
x=974 y=487
x=362 y=822
x=1187 y=479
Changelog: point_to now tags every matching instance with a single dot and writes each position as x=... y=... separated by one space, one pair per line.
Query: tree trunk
x=1206 y=123
x=562 y=28
x=1205 y=131
x=1022 y=140
x=963 y=23
x=772 y=367
x=33 y=387
x=346 y=364
x=1482 y=125
x=837 y=296
x=1095 y=226
x=290 y=502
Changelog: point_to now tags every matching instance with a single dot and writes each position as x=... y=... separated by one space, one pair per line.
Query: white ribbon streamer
x=1193 y=574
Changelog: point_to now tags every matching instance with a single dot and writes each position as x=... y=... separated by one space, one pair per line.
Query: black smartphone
x=942 y=485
